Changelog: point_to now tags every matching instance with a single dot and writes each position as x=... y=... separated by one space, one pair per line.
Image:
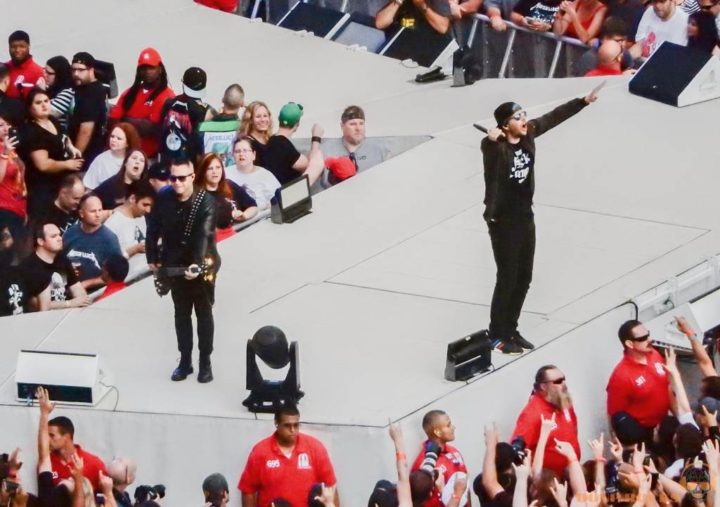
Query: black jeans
x=186 y=295
x=513 y=244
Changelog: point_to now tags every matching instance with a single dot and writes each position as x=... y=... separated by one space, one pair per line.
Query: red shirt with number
x=144 y=109
x=639 y=389
x=23 y=77
x=92 y=466
x=449 y=462
x=528 y=427
x=271 y=474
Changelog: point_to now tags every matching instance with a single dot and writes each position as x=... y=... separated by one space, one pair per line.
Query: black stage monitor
x=678 y=76
x=322 y=22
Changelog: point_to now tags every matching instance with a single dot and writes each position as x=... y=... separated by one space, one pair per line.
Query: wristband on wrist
x=601 y=460
x=316 y=139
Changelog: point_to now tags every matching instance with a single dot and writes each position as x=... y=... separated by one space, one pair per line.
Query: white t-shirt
x=261 y=184
x=104 y=166
x=653 y=31
x=129 y=231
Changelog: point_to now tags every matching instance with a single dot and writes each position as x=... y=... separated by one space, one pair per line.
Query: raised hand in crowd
x=559 y=492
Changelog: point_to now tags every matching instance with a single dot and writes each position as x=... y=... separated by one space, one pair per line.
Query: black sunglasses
x=641 y=338
x=557 y=381
x=181 y=179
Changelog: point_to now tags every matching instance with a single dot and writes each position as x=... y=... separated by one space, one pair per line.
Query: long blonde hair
x=246 y=124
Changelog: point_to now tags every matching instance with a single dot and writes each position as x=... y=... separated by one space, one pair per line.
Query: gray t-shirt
x=370 y=153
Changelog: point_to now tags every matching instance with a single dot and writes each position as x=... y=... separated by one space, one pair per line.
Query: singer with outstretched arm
x=509 y=166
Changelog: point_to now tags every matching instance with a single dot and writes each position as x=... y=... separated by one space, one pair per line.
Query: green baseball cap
x=290 y=114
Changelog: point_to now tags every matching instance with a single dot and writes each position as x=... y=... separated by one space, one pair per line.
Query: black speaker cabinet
x=468 y=356
x=678 y=76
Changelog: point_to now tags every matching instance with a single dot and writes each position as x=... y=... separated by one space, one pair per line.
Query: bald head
x=609 y=53
x=234 y=98
x=122 y=471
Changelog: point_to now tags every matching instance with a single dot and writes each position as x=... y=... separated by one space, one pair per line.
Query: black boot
x=183 y=370
x=205 y=374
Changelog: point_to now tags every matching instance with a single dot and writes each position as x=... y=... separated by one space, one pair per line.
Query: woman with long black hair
x=59 y=85
x=141 y=104
x=703 y=32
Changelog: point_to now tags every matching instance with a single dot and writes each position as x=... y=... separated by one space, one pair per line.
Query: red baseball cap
x=149 y=56
x=341 y=168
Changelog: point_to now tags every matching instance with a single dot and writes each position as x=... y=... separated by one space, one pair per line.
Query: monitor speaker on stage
x=321 y=21
x=678 y=76
x=468 y=356
x=69 y=378
x=426 y=48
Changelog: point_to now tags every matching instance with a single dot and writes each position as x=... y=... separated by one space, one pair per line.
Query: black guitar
x=164 y=276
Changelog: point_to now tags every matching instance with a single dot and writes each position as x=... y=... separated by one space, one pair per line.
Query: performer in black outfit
x=184 y=218
x=509 y=164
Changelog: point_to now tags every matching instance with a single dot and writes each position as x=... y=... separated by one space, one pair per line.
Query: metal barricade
x=517 y=52
x=520 y=52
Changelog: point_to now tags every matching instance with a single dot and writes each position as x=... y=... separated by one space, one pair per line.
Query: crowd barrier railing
x=517 y=52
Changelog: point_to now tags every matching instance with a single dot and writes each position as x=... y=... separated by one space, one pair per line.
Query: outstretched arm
x=701 y=356
x=46 y=407
x=403 y=483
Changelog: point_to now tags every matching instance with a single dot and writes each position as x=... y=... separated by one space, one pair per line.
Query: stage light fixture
x=266 y=395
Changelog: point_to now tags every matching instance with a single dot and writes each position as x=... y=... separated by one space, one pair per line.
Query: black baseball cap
x=504 y=111
x=85 y=59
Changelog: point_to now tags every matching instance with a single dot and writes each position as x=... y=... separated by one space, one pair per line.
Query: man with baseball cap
x=353 y=145
x=181 y=116
x=87 y=123
x=509 y=166
x=24 y=72
x=283 y=159
x=141 y=104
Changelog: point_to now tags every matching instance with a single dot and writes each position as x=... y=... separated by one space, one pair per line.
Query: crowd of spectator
x=643 y=24
x=79 y=175
x=660 y=450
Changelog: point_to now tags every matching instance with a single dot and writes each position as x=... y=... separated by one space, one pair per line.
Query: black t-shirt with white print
x=17 y=286
x=62 y=274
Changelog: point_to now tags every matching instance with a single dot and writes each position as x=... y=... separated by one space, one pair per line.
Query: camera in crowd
x=432 y=453
x=519 y=450
x=146 y=493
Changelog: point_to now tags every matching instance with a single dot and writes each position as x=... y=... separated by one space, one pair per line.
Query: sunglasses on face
x=557 y=381
x=641 y=338
x=181 y=179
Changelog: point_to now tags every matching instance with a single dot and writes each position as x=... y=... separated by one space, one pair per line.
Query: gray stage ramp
x=390 y=266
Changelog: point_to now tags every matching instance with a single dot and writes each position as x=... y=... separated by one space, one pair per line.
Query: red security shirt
x=449 y=462
x=601 y=70
x=26 y=74
x=92 y=466
x=528 y=427
x=639 y=389
x=223 y=5
x=143 y=109
x=270 y=474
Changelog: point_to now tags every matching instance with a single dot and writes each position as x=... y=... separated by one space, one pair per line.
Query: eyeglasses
x=640 y=338
x=557 y=381
x=707 y=7
x=79 y=69
x=181 y=179
x=520 y=115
